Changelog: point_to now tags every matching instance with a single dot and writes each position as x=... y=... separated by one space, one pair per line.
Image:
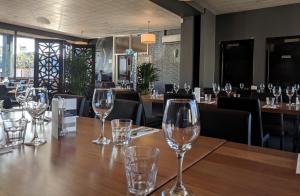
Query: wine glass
x=262 y=87
x=216 y=89
x=242 y=86
x=151 y=88
x=276 y=93
x=181 y=128
x=270 y=87
x=176 y=87
x=103 y=103
x=36 y=104
x=187 y=88
x=228 y=89
x=297 y=87
x=290 y=92
x=20 y=94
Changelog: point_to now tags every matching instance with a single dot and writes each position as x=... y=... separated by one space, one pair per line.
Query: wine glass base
x=101 y=141
x=171 y=192
x=36 y=142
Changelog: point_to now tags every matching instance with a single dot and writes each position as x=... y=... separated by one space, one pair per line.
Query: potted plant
x=76 y=76
x=146 y=73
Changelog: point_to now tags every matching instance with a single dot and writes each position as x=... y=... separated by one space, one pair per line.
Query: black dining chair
x=231 y=125
x=3 y=91
x=168 y=96
x=168 y=88
x=252 y=105
x=125 y=109
x=83 y=107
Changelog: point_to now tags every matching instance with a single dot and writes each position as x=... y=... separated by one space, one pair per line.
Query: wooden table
x=237 y=169
x=74 y=166
x=282 y=109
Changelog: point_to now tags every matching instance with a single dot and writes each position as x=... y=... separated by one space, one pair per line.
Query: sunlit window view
x=25 y=57
x=6 y=55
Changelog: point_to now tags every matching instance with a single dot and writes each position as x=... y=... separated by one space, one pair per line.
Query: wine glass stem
x=180 y=156
x=35 y=134
x=102 y=122
x=290 y=101
x=276 y=100
x=22 y=111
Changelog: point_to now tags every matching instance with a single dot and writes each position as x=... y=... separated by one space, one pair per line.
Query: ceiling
x=88 y=18
x=229 y=6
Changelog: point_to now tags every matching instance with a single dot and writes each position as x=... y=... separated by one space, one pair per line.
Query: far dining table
x=283 y=108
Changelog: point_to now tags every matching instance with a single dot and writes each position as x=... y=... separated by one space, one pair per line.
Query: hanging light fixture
x=148 y=38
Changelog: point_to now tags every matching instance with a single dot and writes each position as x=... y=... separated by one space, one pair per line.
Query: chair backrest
x=231 y=125
x=82 y=105
x=177 y=96
x=107 y=85
x=168 y=88
x=250 y=105
x=3 y=91
x=6 y=102
x=126 y=109
x=128 y=95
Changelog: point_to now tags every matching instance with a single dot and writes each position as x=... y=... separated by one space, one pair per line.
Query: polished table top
x=282 y=108
x=74 y=166
x=238 y=169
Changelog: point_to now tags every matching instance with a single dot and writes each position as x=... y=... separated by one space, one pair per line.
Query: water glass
x=242 y=86
x=121 y=131
x=141 y=168
x=14 y=130
x=207 y=98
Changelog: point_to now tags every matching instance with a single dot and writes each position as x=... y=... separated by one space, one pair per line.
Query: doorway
x=236 y=61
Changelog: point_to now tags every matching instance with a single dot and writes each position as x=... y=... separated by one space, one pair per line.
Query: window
x=6 y=55
x=25 y=57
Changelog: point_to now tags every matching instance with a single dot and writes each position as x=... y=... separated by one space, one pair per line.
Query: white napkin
x=141 y=131
x=298 y=165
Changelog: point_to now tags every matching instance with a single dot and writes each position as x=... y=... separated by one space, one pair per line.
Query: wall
x=164 y=57
x=207 y=50
x=257 y=24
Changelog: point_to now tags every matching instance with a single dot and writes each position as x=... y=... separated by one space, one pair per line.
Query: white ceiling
x=88 y=18
x=228 y=6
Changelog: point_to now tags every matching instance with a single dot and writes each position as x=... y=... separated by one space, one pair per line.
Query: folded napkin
x=141 y=131
x=298 y=165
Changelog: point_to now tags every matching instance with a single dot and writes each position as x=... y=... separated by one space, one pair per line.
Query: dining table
x=73 y=165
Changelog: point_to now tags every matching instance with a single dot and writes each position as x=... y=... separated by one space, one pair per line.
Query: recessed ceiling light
x=43 y=20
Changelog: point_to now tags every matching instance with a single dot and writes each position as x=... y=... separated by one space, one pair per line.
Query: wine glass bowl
x=187 y=88
x=176 y=88
x=216 y=90
x=103 y=102
x=277 y=93
x=20 y=95
x=290 y=92
x=181 y=128
x=228 y=89
x=242 y=86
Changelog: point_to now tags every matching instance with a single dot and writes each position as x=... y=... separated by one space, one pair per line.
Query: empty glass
x=15 y=131
x=242 y=86
x=103 y=103
x=290 y=92
x=176 y=87
x=121 y=131
x=181 y=127
x=187 y=88
x=36 y=105
x=270 y=87
x=207 y=98
x=216 y=89
x=228 y=89
x=262 y=87
x=297 y=87
x=141 y=168
x=277 y=93
x=151 y=88
x=21 y=93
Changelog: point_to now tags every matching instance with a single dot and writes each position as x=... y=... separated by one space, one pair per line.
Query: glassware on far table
x=176 y=87
x=242 y=86
x=290 y=92
x=21 y=94
x=216 y=89
x=187 y=88
x=262 y=87
x=151 y=88
x=277 y=93
x=36 y=105
x=181 y=127
x=103 y=103
x=228 y=89
x=296 y=87
x=141 y=168
x=270 y=87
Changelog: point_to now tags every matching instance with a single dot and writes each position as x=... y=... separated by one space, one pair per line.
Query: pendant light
x=148 y=38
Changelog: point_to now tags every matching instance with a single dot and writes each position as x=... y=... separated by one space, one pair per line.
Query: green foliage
x=146 y=73
x=25 y=60
x=76 y=75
